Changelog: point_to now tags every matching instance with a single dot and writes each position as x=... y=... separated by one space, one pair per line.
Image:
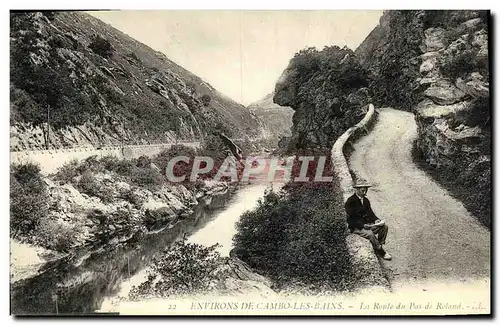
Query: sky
x=241 y=53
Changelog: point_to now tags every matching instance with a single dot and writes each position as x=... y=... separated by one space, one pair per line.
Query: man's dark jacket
x=358 y=214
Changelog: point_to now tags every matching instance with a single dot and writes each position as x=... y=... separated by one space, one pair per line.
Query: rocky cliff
x=75 y=81
x=277 y=119
x=326 y=89
x=435 y=64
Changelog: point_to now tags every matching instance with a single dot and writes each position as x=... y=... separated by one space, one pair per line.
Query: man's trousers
x=376 y=235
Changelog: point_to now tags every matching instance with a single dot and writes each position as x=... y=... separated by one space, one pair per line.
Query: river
x=86 y=282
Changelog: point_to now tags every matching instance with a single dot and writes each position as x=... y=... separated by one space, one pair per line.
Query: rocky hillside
x=435 y=64
x=95 y=85
x=277 y=119
x=327 y=90
x=99 y=202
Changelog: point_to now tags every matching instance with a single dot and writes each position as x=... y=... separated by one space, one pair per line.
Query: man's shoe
x=387 y=256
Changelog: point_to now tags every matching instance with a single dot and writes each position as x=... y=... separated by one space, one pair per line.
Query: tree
x=102 y=46
x=206 y=100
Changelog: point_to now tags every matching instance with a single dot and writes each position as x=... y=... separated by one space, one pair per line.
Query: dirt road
x=432 y=237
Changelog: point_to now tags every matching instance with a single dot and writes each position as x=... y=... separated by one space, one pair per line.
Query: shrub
x=323 y=87
x=143 y=161
x=28 y=199
x=134 y=57
x=479 y=114
x=206 y=99
x=132 y=197
x=162 y=159
x=48 y=85
x=110 y=162
x=183 y=268
x=181 y=168
x=58 y=236
x=101 y=46
x=297 y=235
x=68 y=172
x=146 y=177
x=89 y=185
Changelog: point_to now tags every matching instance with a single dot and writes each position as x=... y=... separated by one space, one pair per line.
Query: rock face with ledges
x=435 y=64
x=277 y=119
x=443 y=92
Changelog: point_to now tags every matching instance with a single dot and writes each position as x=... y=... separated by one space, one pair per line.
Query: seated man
x=363 y=222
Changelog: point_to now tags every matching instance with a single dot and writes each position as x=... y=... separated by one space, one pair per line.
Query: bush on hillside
x=29 y=199
x=206 y=100
x=89 y=185
x=146 y=177
x=102 y=46
x=58 y=236
x=183 y=268
x=297 y=235
x=464 y=62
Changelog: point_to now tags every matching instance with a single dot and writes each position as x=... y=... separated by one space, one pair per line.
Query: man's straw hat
x=361 y=183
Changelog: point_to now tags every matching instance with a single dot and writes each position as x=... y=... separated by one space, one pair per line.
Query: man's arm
x=371 y=217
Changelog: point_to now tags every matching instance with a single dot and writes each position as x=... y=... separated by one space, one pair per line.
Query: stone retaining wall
x=366 y=264
x=51 y=160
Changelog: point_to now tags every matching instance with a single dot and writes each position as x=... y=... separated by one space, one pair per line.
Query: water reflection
x=79 y=283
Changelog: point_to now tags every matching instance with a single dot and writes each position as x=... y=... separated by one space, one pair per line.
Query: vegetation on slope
x=297 y=236
x=70 y=69
x=327 y=91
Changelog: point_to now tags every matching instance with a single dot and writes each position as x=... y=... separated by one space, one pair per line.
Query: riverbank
x=80 y=281
x=26 y=260
x=232 y=276
x=94 y=205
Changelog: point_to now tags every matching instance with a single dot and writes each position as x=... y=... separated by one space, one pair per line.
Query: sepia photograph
x=250 y=162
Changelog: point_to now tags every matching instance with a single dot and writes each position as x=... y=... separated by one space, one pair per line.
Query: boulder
x=475 y=87
x=444 y=93
x=480 y=40
x=427 y=81
x=427 y=109
x=434 y=39
x=430 y=55
x=427 y=66
x=472 y=23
